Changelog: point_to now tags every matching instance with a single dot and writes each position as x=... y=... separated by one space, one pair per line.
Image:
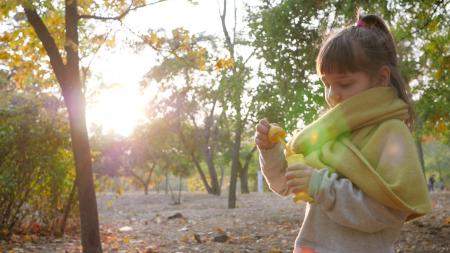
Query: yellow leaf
x=224 y=63
x=27 y=238
x=275 y=250
x=115 y=246
x=5 y=231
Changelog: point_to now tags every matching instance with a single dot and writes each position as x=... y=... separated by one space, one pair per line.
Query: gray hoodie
x=342 y=218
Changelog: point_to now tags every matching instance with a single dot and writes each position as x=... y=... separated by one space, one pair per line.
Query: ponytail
x=378 y=26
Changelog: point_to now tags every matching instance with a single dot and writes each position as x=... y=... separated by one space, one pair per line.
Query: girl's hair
x=365 y=46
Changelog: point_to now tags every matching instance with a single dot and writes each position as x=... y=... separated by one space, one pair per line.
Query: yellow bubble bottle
x=277 y=135
x=298 y=159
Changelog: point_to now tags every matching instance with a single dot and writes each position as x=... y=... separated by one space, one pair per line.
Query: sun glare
x=118 y=110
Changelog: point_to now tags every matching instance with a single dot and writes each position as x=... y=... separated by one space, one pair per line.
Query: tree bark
x=90 y=236
x=142 y=181
x=67 y=208
x=68 y=77
x=243 y=171
x=243 y=178
x=418 y=139
x=180 y=181
x=235 y=156
x=166 y=189
x=420 y=151
x=146 y=189
x=235 y=161
x=209 y=152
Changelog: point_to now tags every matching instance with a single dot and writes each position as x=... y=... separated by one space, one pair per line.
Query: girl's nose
x=333 y=97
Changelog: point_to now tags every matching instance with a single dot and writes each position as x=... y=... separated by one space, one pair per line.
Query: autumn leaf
x=224 y=63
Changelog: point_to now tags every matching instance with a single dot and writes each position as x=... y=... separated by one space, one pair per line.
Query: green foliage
x=287 y=39
x=437 y=160
x=35 y=159
x=424 y=44
x=288 y=35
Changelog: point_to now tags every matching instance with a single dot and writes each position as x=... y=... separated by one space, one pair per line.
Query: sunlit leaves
x=180 y=51
x=153 y=40
x=25 y=57
x=21 y=51
x=224 y=63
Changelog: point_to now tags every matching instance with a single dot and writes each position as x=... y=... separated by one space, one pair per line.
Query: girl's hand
x=262 y=135
x=298 y=177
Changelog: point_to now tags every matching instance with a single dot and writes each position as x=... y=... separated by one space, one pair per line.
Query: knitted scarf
x=366 y=140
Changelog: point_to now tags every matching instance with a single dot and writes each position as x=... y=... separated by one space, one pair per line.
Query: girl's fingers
x=297 y=183
x=262 y=144
x=296 y=167
x=262 y=137
x=264 y=122
x=301 y=173
x=263 y=129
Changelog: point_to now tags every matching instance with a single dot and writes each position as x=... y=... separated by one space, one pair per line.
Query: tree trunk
x=235 y=156
x=146 y=189
x=222 y=172
x=166 y=189
x=243 y=171
x=215 y=189
x=420 y=151
x=68 y=76
x=243 y=178
x=209 y=152
x=418 y=139
x=180 y=182
x=67 y=208
x=149 y=177
x=90 y=235
x=235 y=161
x=202 y=175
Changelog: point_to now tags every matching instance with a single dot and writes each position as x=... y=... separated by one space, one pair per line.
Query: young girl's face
x=341 y=86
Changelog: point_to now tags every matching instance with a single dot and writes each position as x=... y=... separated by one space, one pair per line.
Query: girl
x=362 y=170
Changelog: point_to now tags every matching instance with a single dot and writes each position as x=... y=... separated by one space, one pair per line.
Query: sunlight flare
x=117 y=110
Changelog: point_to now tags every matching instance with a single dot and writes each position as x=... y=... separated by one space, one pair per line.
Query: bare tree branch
x=228 y=43
x=120 y=16
x=170 y=51
x=250 y=56
x=235 y=23
x=86 y=69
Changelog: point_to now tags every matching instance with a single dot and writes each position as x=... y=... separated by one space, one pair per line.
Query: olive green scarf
x=366 y=140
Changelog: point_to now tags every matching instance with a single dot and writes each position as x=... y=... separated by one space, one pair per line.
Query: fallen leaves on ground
x=202 y=223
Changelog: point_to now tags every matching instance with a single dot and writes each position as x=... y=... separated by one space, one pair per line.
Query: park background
x=152 y=104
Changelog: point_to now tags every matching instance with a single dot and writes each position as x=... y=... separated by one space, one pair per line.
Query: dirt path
x=202 y=223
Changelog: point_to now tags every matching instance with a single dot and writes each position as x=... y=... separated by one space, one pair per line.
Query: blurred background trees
x=208 y=93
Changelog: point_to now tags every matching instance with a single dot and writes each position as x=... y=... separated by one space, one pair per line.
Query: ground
x=262 y=222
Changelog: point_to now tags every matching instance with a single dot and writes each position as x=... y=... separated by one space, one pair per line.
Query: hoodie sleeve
x=348 y=206
x=273 y=167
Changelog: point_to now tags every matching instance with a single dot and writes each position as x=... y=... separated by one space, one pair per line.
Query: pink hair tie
x=360 y=23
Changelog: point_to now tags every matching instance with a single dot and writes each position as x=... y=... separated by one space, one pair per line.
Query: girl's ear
x=384 y=75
